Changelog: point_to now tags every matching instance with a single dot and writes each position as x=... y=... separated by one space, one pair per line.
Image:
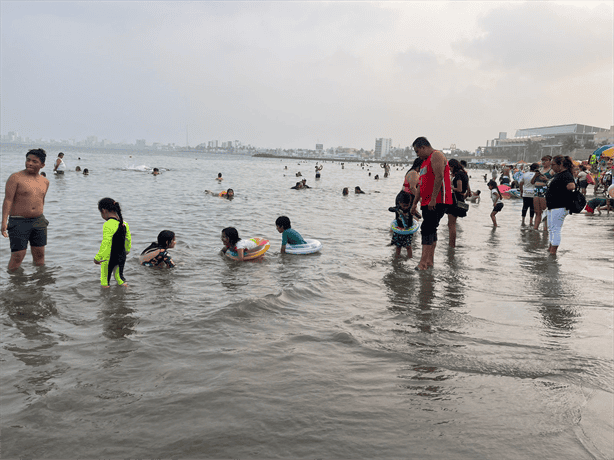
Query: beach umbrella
x=606 y=148
x=609 y=152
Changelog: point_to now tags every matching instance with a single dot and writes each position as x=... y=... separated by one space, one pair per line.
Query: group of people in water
x=117 y=243
x=60 y=168
x=439 y=187
x=434 y=184
x=547 y=189
x=533 y=183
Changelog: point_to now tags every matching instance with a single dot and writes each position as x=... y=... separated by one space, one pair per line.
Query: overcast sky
x=293 y=74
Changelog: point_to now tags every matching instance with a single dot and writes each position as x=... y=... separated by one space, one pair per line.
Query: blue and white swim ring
x=309 y=247
x=401 y=231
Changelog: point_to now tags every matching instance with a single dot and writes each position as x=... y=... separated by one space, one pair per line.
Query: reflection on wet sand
x=28 y=307
x=118 y=319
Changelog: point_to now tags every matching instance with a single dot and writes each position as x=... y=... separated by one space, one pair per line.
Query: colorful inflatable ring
x=411 y=230
x=309 y=247
x=262 y=246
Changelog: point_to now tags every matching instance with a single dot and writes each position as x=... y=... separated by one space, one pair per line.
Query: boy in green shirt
x=288 y=235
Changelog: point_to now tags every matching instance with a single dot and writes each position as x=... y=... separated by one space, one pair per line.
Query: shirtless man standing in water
x=22 y=211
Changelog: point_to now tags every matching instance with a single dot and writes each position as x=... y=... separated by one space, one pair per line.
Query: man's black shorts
x=430 y=222
x=27 y=229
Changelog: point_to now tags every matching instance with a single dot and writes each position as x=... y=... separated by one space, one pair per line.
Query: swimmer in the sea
x=156 y=254
x=156 y=171
x=228 y=194
x=358 y=191
x=86 y=172
x=298 y=186
x=219 y=177
x=345 y=191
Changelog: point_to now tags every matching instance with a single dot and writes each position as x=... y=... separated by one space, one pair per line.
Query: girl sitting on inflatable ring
x=231 y=240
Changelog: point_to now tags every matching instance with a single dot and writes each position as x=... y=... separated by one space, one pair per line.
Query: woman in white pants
x=558 y=197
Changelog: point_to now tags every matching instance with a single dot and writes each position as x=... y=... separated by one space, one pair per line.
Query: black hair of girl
x=232 y=234
x=417 y=164
x=455 y=166
x=494 y=184
x=165 y=238
x=404 y=197
x=111 y=205
x=534 y=167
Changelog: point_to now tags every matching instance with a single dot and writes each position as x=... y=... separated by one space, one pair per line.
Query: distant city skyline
x=93 y=141
x=381 y=148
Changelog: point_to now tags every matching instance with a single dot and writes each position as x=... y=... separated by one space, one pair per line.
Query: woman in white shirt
x=527 y=191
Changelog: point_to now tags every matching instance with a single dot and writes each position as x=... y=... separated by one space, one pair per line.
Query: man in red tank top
x=435 y=195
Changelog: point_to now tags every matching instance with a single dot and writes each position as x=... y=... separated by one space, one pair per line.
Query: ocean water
x=500 y=351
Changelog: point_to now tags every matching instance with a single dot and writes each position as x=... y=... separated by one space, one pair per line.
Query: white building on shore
x=382 y=147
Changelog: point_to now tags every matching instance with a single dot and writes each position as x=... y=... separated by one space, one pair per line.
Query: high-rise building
x=382 y=147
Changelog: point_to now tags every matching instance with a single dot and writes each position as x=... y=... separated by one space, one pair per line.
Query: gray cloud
x=540 y=38
x=288 y=74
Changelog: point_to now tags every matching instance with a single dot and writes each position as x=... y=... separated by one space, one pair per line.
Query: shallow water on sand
x=500 y=351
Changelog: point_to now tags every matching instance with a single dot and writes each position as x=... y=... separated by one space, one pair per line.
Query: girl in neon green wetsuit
x=116 y=243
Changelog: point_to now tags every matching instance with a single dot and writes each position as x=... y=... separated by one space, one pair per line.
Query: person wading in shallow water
x=460 y=187
x=435 y=194
x=22 y=211
x=60 y=166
